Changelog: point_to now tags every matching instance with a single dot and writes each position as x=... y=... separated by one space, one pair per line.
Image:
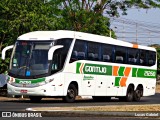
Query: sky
x=139 y=25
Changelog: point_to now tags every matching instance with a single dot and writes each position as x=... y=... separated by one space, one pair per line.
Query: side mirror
x=51 y=51
x=4 y=51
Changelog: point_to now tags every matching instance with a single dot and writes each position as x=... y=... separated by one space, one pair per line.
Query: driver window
x=78 y=52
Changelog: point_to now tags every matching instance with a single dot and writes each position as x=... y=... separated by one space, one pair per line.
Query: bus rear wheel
x=137 y=94
x=71 y=94
x=129 y=95
x=35 y=99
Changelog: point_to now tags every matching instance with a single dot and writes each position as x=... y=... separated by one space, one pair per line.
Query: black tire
x=137 y=94
x=3 y=93
x=101 y=98
x=129 y=95
x=71 y=94
x=35 y=99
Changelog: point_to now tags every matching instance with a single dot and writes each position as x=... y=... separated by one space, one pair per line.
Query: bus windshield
x=30 y=59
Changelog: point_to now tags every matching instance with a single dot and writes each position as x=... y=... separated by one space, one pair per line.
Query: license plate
x=24 y=91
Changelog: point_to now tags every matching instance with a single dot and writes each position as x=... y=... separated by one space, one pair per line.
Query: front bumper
x=45 y=90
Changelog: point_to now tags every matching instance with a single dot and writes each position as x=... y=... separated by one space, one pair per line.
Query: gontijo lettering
x=25 y=82
x=85 y=68
x=95 y=69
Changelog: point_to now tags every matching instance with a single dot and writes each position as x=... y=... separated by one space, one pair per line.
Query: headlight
x=11 y=80
x=45 y=82
x=49 y=80
x=42 y=83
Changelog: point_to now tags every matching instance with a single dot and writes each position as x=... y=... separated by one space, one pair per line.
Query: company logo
x=95 y=69
x=25 y=82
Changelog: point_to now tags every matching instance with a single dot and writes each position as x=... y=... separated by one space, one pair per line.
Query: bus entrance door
x=88 y=85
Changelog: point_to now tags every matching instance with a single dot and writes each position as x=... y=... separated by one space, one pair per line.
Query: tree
x=92 y=15
x=21 y=16
x=158 y=55
x=81 y=16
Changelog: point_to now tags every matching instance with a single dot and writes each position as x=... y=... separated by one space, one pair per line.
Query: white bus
x=68 y=64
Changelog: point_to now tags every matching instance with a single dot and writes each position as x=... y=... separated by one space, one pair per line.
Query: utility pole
x=110 y=32
x=136 y=32
x=123 y=31
x=149 y=37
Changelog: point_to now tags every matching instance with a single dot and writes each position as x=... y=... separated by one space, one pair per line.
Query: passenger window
x=93 y=51
x=151 y=58
x=133 y=56
x=78 y=52
x=142 y=57
x=107 y=53
x=120 y=54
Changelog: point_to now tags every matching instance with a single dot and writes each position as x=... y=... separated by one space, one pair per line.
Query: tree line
x=21 y=16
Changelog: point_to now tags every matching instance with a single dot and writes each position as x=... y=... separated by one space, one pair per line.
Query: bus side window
x=74 y=55
x=151 y=58
x=107 y=53
x=93 y=51
x=79 y=51
x=120 y=54
x=81 y=55
x=133 y=56
x=142 y=57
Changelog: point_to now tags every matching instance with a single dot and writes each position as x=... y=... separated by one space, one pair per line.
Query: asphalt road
x=21 y=105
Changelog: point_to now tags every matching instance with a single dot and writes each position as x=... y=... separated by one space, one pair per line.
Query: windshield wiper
x=20 y=68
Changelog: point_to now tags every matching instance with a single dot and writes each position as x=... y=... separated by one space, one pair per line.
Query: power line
x=133 y=29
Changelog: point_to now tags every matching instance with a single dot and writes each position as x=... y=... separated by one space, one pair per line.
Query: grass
x=155 y=107
x=122 y=108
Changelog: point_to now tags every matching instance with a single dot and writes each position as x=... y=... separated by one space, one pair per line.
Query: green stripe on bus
x=117 y=81
x=121 y=71
x=134 y=71
x=33 y=81
x=95 y=69
x=144 y=73
x=78 y=67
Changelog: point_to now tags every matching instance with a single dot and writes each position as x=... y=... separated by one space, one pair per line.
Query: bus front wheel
x=71 y=94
